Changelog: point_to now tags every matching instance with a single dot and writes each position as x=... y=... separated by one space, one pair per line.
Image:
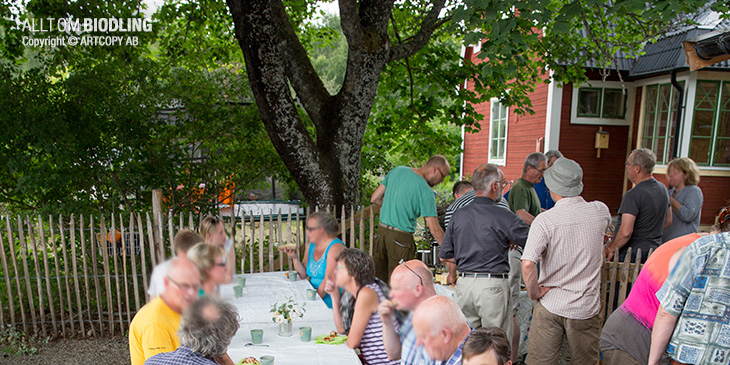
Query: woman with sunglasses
x=319 y=254
x=213 y=231
x=209 y=260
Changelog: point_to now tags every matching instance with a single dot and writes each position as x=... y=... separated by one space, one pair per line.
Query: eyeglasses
x=542 y=171
x=403 y=263
x=184 y=287
x=221 y=264
x=310 y=229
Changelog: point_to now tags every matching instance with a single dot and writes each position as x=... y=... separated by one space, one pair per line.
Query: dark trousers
x=389 y=248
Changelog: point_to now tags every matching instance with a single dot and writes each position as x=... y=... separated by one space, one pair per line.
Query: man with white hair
x=567 y=298
x=205 y=332
x=477 y=241
x=441 y=328
x=154 y=328
x=411 y=283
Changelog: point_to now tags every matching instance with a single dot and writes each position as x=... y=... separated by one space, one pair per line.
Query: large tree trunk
x=326 y=166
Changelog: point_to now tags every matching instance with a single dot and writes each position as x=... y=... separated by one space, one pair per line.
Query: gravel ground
x=113 y=350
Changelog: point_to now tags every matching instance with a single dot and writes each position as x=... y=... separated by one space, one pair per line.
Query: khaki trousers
x=486 y=302
x=546 y=337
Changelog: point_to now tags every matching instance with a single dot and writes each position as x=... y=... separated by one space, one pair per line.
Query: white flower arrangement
x=285 y=312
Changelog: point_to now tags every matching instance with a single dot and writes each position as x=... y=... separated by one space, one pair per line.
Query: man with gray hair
x=645 y=210
x=567 y=298
x=206 y=330
x=477 y=241
x=154 y=327
x=441 y=328
x=543 y=193
x=523 y=199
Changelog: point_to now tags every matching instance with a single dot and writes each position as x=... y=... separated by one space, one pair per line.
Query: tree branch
x=350 y=22
x=304 y=79
x=419 y=40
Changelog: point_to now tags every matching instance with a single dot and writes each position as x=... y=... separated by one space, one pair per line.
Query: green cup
x=241 y=281
x=238 y=290
x=311 y=294
x=293 y=276
x=257 y=336
x=266 y=360
x=305 y=333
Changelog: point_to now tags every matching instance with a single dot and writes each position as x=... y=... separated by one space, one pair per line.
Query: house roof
x=667 y=54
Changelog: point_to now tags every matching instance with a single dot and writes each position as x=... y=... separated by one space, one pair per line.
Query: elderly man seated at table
x=411 y=283
x=441 y=328
x=205 y=332
x=154 y=328
x=355 y=272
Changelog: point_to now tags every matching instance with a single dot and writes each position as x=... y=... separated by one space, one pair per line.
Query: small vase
x=285 y=329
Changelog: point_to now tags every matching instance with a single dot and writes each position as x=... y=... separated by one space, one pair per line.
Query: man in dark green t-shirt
x=523 y=199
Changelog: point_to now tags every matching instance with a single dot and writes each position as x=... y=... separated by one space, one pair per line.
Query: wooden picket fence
x=616 y=277
x=63 y=276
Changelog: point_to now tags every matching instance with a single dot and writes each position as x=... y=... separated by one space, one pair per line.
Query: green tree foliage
x=98 y=127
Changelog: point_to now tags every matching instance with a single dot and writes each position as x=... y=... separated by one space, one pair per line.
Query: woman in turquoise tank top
x=319 y=254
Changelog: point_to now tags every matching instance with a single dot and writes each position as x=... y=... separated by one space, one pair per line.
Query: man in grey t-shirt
x=644 y=211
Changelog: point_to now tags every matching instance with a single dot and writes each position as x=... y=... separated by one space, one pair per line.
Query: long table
x=260 y=293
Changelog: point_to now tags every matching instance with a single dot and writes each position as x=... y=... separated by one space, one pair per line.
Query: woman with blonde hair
x=209 y=260
x=685 y=197
x=213 y=231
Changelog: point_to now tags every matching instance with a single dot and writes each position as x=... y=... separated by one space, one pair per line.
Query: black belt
x=475 y=275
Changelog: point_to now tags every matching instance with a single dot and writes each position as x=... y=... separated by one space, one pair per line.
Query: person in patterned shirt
x=692 y=323
x=441 y=328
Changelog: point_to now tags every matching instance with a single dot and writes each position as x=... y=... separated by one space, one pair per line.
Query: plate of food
x=249 y=361
x=331 y=339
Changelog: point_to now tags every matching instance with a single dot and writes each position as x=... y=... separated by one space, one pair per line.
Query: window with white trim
x=710 y=136
x=498 y=118
x=602 y=103
x=660 y=109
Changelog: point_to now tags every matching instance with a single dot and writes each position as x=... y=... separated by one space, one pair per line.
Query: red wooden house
x=569 y=117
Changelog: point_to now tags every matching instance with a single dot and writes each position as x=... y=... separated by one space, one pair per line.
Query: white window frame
x=628 y=115
x=497 y=161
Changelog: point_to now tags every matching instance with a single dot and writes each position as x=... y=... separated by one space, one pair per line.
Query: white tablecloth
x=261 y=292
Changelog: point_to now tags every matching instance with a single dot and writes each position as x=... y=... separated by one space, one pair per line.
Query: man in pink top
x=568 y=241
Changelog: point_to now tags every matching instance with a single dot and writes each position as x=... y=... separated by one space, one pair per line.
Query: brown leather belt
x=394 y=228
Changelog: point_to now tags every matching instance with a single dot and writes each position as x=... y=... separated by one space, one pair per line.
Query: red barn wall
x=524 y=135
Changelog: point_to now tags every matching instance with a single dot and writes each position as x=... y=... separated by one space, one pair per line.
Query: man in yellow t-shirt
x=154 y=328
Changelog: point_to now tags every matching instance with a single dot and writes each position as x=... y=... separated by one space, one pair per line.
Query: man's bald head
x=441 y=313
x=406 y=289
x=440 y=326
x=435 y=170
